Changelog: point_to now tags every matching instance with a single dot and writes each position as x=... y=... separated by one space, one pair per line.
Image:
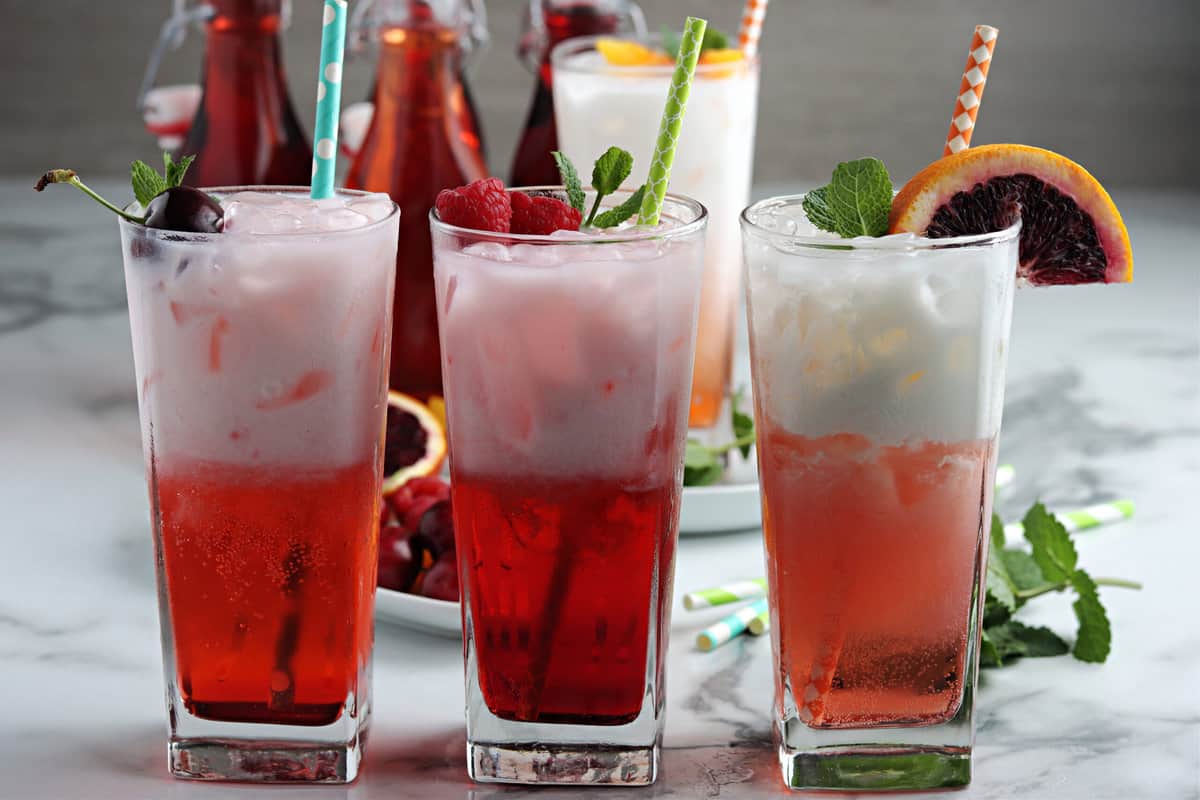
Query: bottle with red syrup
x=547 y=23
x=423 y=137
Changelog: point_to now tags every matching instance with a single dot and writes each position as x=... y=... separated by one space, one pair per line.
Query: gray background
x=1112 y=83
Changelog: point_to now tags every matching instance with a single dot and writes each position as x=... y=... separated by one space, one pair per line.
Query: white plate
x=439 y=617
x=720 y=508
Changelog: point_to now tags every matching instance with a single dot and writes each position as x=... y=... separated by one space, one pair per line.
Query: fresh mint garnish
x=714 y=39
x=570 y=179
x=704 y=465
x=147 y=184
x=1015 y=577
x=610 y=169
x=856 y=202
x=618 y=214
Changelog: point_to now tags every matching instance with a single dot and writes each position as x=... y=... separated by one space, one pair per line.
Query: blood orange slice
x=1070 y=230
x=415 y=445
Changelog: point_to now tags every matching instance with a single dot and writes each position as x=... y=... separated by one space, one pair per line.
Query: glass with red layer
x=261 y=360
x=548 y=22
x=244 y=129
x=422 y=138
x=878 y=367
x=568 y=363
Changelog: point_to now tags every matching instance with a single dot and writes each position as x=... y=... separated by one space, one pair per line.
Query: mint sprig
x=570 y=179
x=1014 y=577
x=148 y=184
x=704 y=465
x=855 y=202
x=618 y=214
x=610 y=169
x=714 y=39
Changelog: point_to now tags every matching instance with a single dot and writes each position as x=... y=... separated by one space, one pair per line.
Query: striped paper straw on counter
x=716 y=635
x=970 y=91
x=752 y=24
x=760 y=624
x=726 y=593
x=1082 y=518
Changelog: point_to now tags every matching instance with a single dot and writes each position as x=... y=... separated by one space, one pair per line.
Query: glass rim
x=578 y=44
x=197 y=237
x=619 y=236
x=866 y=244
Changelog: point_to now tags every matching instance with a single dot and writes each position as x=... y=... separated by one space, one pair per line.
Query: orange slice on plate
x=415 y=444
x=1071 y=232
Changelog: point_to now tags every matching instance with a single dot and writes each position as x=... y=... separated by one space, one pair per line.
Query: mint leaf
x=1015 y=640
x=671 y=41
x=176 y=171
x=701 y=466
x=860 y=197
x=609 y=171
x=618 y=214
x=1093 y=642
x=570 y=179
x=1053 y=549
x=714 y=39
x=816 y=206
x=1024 y=573
x=999 y=584
x=147 y=184
x=743 y=425
x=989 y=653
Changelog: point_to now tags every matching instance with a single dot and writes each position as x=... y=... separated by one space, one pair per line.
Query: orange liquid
x=270 y=580
x=872 y=555
x=714 y=356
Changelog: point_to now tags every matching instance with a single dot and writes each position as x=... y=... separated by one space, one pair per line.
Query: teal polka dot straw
x=329 y=98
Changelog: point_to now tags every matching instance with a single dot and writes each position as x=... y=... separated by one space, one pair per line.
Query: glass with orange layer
x=261 y=358
x=878 y=368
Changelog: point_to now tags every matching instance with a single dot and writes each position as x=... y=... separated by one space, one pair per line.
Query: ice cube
x=375 y=207
x=492 y=251
x=253 y=217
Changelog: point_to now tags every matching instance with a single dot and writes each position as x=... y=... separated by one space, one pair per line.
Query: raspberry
x=542 y=215
x=482 y=206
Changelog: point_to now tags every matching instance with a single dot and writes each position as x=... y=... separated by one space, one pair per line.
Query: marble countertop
x=1103 y=402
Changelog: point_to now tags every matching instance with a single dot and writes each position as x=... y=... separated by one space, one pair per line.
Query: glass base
x=263 y=762
x=875 y=769
x=535 y=763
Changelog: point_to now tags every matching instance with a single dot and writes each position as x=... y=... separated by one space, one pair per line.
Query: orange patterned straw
x=752 y=22
x=970 y=93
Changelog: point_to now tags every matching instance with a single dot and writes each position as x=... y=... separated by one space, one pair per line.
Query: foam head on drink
x=566 y=360
x=598 y=104
x=879 y=375
x=261 y=365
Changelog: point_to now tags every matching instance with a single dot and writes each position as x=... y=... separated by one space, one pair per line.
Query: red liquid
x=270 y=578
x=559 y=574
x=532 y=163
x=245 y=131
x=422 y=139
x=872 y=553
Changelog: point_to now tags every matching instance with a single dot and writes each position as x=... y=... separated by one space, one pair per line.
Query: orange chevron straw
x=970 y=93
x=752 y=22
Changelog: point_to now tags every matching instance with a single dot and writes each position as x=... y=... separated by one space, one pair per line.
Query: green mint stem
x=69 y=176
x=1029 y=594
x=595 y=209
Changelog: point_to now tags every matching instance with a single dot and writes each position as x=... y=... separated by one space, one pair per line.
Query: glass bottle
x=548 y=22
x=423 y=138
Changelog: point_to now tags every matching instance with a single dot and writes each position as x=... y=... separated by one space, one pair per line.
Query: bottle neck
x=419 y=65
x=249 y=16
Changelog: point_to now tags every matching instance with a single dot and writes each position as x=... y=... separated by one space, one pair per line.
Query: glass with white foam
x=878 y=368
x=598 y=105
x=261 y=356
x=567 y=361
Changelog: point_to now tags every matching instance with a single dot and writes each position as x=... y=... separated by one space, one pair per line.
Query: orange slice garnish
x=624 y=53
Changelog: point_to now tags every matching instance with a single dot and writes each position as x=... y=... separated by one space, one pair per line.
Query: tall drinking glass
x=567 y=360
x=598 y=105
x=878 y=369
x=261 y=362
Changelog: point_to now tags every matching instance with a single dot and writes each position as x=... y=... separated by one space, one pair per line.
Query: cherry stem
x=69 y=176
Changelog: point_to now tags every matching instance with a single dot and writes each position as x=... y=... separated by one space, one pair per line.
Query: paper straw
x=812 y=698
x=329 y=98
x=760 y=624
x=970 y=91
x=725 y=593
x=1004 y=475
x=716 y=635
x=752 y=22
x=672 y=120
x=1082 y=518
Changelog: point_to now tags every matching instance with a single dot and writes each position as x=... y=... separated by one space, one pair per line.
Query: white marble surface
x=1104 y=401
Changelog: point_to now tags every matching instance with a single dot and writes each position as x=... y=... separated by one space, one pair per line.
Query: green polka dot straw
x=329 y=98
